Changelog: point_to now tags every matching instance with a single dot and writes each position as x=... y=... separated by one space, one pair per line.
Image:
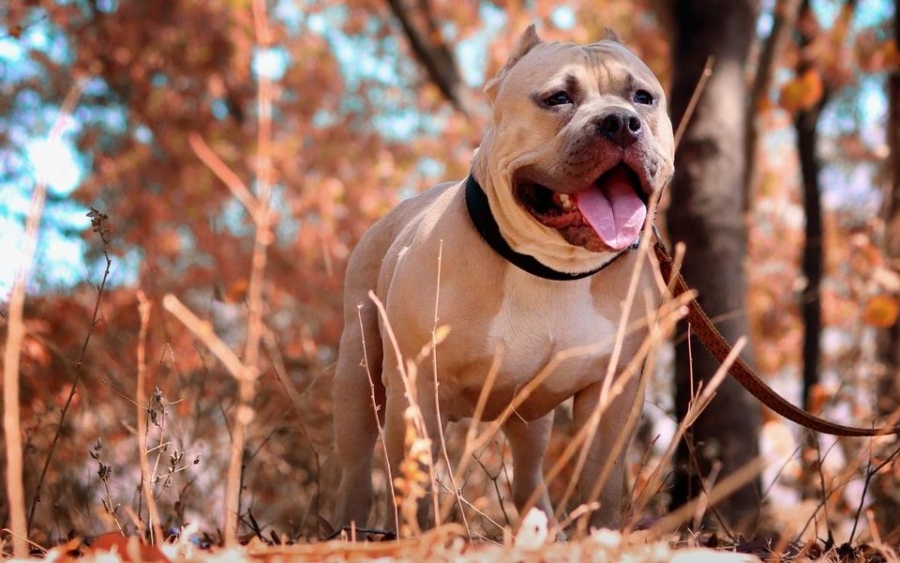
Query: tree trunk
x=806 y=125
x=706 y=214
x=889 y=339
x=886 y=503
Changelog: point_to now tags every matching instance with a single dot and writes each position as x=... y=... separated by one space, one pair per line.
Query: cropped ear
x=528 y=40
x=611 y=35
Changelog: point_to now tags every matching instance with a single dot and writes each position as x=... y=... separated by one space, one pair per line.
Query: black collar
x=480 y=213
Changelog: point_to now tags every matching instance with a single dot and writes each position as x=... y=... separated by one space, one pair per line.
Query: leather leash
x=705 y=331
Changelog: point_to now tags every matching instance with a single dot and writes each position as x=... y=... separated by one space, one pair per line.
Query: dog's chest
x=539 y=319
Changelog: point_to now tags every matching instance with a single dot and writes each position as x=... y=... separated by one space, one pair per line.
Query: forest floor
x=448 y=543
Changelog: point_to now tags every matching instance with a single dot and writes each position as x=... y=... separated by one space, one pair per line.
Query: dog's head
x=580 y=141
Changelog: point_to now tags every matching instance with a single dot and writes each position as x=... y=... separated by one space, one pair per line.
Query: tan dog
x=579 y=140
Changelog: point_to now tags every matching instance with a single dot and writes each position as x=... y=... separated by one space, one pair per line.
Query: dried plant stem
x=408 y=374
x=613 y=366
x=381 y=438
x=438 y=516
x=246 y=371
x=669 y=314
x=246 y=376
x=229 y=178
x=848 y=474
x=11 y=424
x=144 y=307
x=870 y=473
x=262 y=239
x=695 y=408
x=79 y=371
x=726 y=486
x=12 y=430
x=470 y=447
x=203 y=330
x=695 y=99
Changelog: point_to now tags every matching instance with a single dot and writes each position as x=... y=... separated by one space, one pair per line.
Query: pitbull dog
x=535 y=259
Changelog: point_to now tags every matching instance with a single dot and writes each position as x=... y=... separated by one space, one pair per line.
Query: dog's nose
x=621 y=126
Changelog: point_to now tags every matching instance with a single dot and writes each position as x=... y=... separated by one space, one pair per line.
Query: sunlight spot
x=563 y=17
x=107 y=6
x=143 y=134
x=471 y=49
x=10 y=50
x=54 y=162
x=270 y=63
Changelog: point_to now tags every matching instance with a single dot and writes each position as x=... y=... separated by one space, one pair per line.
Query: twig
x=141 y=394
x=470 y=442
x=870 y=473
x=435 y=340
x=15 y=335
x=246 y=376
x=97 y=225
x=695 y=408
x=849 y=472
x=783 y=17
x=228 y=177
x=262 y=239
x=613 y=364
x=203 y=330
x=483 y=515
x=695 y=98
x=104 y=471
x=726 y=486
x=787 y=461
x=408 y=376
x=669 y=314
x=495 y=480
x=387 y=464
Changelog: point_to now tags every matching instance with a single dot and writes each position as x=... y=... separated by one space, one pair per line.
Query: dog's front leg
x=615 y=429
x=528 y=442
x=356 y=404
x=399 y=447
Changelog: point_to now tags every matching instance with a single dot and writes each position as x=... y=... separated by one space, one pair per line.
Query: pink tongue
x=615 y=212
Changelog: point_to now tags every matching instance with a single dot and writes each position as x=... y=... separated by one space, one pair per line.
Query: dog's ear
x=611 y=35
x=528 y=40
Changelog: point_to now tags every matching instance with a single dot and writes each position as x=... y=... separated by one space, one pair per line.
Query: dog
x=530 y=256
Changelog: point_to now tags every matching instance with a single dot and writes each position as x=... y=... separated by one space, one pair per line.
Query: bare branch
x=144 y=307
x=695 y=98
x=224 y=173
x=203 y=330
x=784 y=15
x=14 y=338
x=435 y=55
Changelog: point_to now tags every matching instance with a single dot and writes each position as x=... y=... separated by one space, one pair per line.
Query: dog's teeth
x=564 y=201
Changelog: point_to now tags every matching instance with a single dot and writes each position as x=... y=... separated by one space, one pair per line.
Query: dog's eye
x=643 y=97
x=557 y=99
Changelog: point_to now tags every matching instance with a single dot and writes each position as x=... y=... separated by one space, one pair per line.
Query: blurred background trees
x=706 y=215
x=374 y=101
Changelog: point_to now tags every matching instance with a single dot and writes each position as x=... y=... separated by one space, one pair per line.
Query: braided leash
x=704 y=329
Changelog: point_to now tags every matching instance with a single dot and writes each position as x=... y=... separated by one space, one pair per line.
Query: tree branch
x=434 y=54
x=784 y=15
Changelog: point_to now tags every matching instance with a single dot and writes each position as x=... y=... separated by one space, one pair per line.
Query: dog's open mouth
x=612 y=209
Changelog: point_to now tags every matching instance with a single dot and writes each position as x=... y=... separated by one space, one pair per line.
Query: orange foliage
x=881 y=311
x=803 y=92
